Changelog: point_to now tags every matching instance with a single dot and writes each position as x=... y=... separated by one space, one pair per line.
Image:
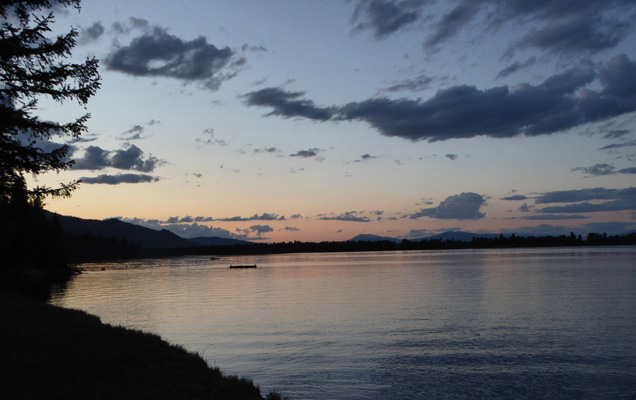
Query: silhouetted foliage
x=33 y=67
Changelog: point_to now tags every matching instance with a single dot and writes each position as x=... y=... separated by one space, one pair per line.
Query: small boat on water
x=243 y=266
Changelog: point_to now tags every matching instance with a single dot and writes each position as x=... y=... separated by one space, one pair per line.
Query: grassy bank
x=50 y=352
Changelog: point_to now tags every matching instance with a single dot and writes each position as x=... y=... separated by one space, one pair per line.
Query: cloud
x=604 y=200
x=604 y=169
x=452 y=157
x=91 y=34
x=551 y=217
x=156 y=53
x=460 y=206
x=118 y=179
x=209 y=139
x=617 y=133
x=349 y=216
x=266 y=150
x=287 y=104
x=137 y=130
x=516 y=66
x=306 y=153
x=416 y=84
x=577 y=33
x=631 y=143
x=263 y=217
x=385 y=17
x=451 y=23
x=555 y=26
x=561 y=102
x=260 y=229
x=524 y=208
x=573 y=196
x=130 y=158
x=290 y=229
x=597 y=169
x=515 y=197
x=94 y=158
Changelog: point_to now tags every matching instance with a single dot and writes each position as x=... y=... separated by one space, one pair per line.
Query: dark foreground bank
x=55 y=353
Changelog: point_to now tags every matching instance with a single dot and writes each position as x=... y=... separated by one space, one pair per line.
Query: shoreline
x=59 y=353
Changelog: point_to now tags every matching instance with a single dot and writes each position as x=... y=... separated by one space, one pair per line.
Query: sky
x=312 y=120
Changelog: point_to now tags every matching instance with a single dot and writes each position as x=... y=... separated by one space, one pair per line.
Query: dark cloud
x=616 y=134
x=452 y=23
x=516 y=66
x=385 y=17
x=209 y=139
x=551 y=217
x=417 y=84
x=130 y=158
x=451 y=156
x=349 y=216
x=556 y=26
x=119 y=178
x=597 y=169
x=267 y=150
x=578 y=33
x=290 y=229
x=574 y=196
x=605 y=169
x=561 y=102
x=263 y=217
x=631 y=143
x=603 y=200
x=524 y=208
x=306 y=153
x=367 y=156
x=260 y=229
x=137 y=131
x=288 y=104
x=91 y=34
x=156 y=53
x=460 y=206
x=95 y=158
x=515 y=197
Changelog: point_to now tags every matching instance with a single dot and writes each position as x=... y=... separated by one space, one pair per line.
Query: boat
x=243 y=266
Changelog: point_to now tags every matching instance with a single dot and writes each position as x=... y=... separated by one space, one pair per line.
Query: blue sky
x=321 y=120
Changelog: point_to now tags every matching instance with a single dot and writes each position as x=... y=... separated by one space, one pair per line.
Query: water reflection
x=523 y=324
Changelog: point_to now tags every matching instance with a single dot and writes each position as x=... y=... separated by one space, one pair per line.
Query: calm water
x=476 y=324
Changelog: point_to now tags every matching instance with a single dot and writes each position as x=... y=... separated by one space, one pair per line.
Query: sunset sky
x=320 y=120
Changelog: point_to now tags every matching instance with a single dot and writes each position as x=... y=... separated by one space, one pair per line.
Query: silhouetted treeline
x=27 y=238
x=91 y=248
x=513 y=241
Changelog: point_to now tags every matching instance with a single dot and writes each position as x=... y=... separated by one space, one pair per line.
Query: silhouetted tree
x=35 y=67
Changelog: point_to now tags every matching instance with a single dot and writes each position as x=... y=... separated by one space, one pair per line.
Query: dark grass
x=49 y=352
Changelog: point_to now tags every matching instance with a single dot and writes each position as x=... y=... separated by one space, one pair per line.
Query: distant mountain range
x=148 y=238
x=163 y=239
x=450 y=235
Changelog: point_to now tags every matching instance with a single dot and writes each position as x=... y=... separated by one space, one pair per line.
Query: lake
x=556 y=323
